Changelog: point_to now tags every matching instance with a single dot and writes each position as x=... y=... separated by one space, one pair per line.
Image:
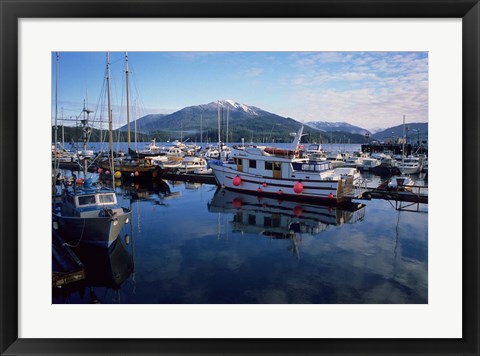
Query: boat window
x=106 y=198
x=86 y=200
x=277 y=166
x=252 y=163
x=268 y=165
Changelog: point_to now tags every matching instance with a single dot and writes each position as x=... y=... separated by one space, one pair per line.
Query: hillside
x=244 y=121
x=337 y=126
x=413 y=130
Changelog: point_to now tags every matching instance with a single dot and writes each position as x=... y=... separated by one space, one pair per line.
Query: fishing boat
x=369 y=164
x=89 y=215
x=282 y=172
x=152 y=150
x=191 y=163
x=131 y=168
x=410 y=165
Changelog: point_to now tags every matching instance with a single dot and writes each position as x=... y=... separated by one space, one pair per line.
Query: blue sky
x=367 y=89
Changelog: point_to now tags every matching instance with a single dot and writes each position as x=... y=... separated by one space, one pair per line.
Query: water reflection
x=193 y=244
x=278 y=219
x=106 y=270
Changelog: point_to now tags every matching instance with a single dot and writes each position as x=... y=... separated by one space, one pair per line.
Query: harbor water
x=193 y=243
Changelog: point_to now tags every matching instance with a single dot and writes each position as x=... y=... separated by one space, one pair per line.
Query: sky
x=367 y=89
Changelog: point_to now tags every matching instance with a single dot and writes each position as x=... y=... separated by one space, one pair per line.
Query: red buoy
x=297 y=211
x=136 y=173
x=259 y=190
x=237 y=203
x=279 y=192
x=264 y=184
x=298 y=187
x=330 y=196
x=237 y=181
x=100 y=170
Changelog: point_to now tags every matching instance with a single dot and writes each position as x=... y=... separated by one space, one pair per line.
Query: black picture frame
x=12 y=11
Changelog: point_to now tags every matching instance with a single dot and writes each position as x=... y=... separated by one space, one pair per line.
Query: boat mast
x=110 y=134
x=63 y=130
x=226 y=137
x=403 y=142
x=201 y=130
x=128 y=100
x=218 y=117
x=135 y=122
x=56 y=111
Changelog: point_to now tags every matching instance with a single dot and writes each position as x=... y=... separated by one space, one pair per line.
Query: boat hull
x=136 y=172
x=98 y=231
x=325 y=191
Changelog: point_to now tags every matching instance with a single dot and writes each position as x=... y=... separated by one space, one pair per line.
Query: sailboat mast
x=63 y=129
x=201 y=129
x=110 y=128
x=403 y=142
x=56 y=109
x=128 y=100
x=218 y=117
x=135 y=122
x=226 y=136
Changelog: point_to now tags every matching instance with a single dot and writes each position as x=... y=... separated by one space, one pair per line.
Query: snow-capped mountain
x=327 y=126
x=244 y=121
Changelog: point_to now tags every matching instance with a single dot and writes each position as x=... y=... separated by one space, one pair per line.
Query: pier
x=194 y=178
x=362 y=192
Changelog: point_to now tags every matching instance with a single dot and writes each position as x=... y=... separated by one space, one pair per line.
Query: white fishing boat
x=369 y=163
x=354 y=162
x=89 y=215
x=190 y=163
x=410 y=165
x=283 y=172
x=203 y=171
x=315 y=151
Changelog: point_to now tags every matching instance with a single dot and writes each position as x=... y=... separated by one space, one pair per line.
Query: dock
x=418 y=194
x=361 y=192
x=66 y=266
x=189 y=177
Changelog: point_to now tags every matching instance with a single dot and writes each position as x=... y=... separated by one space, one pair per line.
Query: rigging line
x=81 y=236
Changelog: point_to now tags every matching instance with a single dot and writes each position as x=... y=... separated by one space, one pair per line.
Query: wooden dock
x=414 y=194
x=188 y=177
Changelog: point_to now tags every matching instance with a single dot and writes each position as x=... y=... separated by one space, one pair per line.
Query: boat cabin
x=82 y=203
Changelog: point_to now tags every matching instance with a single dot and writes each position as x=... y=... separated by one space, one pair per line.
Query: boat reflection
x=146 y=191
x=106 y=269
x=277 y=219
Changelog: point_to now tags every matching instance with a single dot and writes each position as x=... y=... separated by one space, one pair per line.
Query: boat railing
x=355 y=188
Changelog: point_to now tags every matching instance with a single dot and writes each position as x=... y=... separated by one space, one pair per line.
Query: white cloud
x=366 y=89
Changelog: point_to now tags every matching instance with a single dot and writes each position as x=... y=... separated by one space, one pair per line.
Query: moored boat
x=89 y=215
x=283 y=172
x=410 y=165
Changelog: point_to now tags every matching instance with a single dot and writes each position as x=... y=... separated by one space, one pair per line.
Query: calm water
x=189 y=243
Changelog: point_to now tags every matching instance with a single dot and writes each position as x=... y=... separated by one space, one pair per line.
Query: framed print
x=229 y=261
